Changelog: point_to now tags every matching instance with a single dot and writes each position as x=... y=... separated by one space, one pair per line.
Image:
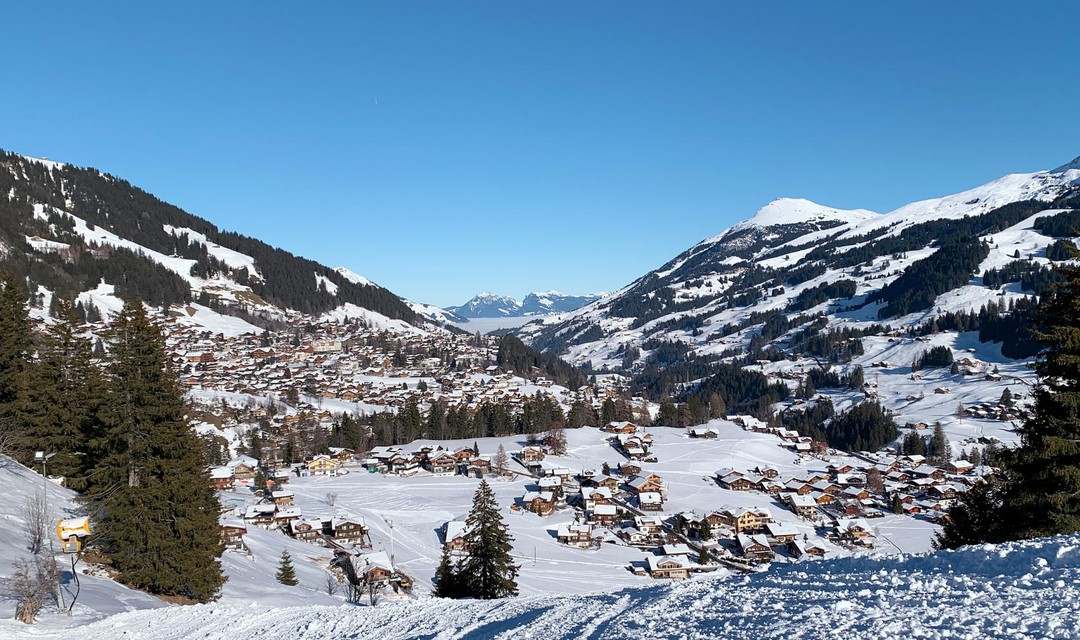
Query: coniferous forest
x=120 y=437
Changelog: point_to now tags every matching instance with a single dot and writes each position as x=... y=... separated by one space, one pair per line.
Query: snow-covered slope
x=791 y=247
x=1018 y=590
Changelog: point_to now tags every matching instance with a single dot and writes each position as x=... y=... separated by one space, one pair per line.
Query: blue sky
x=443 y=148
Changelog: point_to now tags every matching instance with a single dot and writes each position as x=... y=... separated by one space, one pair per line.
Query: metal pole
x=45 y=508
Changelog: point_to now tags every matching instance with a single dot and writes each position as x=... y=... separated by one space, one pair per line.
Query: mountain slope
x=796 y=264
x=69 y=229
x=1016 y=590
x=537 y=303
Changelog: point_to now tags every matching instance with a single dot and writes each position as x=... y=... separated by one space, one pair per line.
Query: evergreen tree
x=488 y=571
x=1039 y=491
x=63 y=399
x=897 y=504
x=939 y=446
x=15 y=346
x=286 y=573
x=447 y=578
x=155 y=509
x=705 y=530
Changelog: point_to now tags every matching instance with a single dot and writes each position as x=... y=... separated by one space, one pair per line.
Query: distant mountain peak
x=784 y=211
x=1069 y=166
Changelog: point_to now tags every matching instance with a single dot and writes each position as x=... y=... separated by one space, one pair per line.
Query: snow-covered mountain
x=537 y=303
x=797 y=265
x=97 y=238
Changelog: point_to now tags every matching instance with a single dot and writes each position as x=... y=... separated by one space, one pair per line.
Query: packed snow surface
x=1019 y=590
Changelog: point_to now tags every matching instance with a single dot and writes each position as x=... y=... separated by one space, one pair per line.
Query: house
x=856 y=531
x=260 y=515
x=673 y=550
x=604 y=515
x=650 y=501
x=959 y=466
x=454 y=536
x=342 y=455
x=780 y=532
x=285 y=517
x=541 y=503
x=530 y=455
x=282 y=498
x=803 y=505
x=552 y=484
x=634 y=536
x=308 y=530
x=375 y=568
x=575 y=535
x=649 y=525
x=610 y=483
x=800 y=548
x=668 y=567
x=743 y=520
x=628 y=469
x=619 y=427
x=649 y=483
x=243 y=468
x=704 y=432
x=736 y=483
x=443 y=464
x=232 y=533
x=755 y=548
x=221 y=478
x=591 y=497
x=323 y=465
x=348 y=531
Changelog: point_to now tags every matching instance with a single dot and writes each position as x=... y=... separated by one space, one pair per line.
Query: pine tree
x=15 y=346
x=447 y=578
x=939 y=446
x=64 y=397
x=897 y=503
x=488 y=571
x=705 y=530
x=1039 y=491
x=155 y=510
x=286 y=573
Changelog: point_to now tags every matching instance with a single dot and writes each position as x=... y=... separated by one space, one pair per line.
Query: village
x=611 y=495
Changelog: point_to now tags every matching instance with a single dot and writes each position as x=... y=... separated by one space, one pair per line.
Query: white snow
x=354 y=277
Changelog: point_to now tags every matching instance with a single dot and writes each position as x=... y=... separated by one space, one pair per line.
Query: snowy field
x=1020 y=590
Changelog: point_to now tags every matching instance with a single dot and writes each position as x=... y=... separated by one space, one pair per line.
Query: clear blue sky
x=443 y=148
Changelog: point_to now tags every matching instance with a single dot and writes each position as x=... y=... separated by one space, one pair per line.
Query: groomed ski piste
x=1017 y=590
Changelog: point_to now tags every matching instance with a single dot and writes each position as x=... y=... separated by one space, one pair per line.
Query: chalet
x=348 y=531
x=530 y=455
x=649 y=525
x=927 y=471
x=285 y=517
x=742 y=520
x=736 y=483
x=243 y=468
x=782 y=533
x=604 y=515
x=576 y=535
x=650 y=501
x=610 y=483
x=541 y=503
x=619 y=427
x=800 y=548
x=282 y=498
x=342 y=455
x=959 y=466
x=590 y=497
x=754 y=548
x=454 y=536
x=668 y=567
x=221 y=478
x=649 y=483
x=260 y=515
x=856 y=531
x=803 y=505
x=822 y=498
x=552 y=484
x=799 y=487
x=323 y=465
x=627 y=469
x=464 y=454
x=232 y=534
x=674 y=550
x=376 y=568
x=769 y=472
x=704 y=432
x=443 y=464
x=634 y=536
x=308 y=530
